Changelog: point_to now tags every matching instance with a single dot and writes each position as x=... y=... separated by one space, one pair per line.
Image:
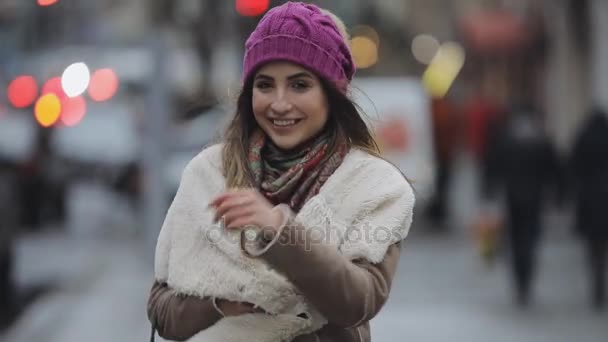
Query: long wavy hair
x=345 y=125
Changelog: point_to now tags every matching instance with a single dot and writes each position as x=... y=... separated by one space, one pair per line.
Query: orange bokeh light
x=104 y=84
x=22 y=91
x=73 y=110
x=47 y=110
x=47 y=2
x=252 y=8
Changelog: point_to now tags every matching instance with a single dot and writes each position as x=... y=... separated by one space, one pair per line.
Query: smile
x=285 y=123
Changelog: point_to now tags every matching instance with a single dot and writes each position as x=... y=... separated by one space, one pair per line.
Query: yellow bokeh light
x=365 y=52
x=366 y=31
x=47 y=110
x=444 y=68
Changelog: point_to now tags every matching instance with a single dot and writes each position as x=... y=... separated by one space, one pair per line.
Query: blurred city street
x=98 y=289
x=495 y=110
x=443 y=292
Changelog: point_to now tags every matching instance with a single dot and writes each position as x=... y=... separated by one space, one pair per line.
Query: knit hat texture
x=300 y=33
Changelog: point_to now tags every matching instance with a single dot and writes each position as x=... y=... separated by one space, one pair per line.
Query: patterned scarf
x=292 y=177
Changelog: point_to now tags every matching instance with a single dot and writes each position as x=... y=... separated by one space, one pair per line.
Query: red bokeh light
x=252 y=8
x=47 y=2
x=53 y=86
x=393 y=135
x=22 y=91
x=73 y=110
x=104 y=84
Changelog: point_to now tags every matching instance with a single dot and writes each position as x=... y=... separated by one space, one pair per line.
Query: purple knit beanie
x=302 y=34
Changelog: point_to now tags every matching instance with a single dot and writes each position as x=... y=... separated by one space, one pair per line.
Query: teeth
x=284 y=122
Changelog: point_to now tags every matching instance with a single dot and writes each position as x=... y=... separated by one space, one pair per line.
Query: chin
x=286 y=144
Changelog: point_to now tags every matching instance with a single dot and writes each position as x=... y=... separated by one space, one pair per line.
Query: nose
x=280 y=104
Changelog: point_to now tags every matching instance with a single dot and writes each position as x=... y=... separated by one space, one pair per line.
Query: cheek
x=258 y=105
x=320 y=118
x=318 y=110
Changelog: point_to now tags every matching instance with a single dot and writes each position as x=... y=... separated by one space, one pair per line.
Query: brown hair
x=344 y=124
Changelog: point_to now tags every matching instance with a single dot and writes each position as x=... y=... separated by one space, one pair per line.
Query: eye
x=262 y=85
x=300 y=85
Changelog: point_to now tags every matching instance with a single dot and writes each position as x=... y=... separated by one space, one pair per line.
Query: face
x=289 y=104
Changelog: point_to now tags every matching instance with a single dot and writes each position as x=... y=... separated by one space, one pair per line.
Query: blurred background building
x=102 y=104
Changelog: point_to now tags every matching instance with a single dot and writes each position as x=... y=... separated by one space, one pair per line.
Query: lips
x=285 y=122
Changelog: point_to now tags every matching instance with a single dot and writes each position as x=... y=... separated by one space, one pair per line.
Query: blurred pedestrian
x=289 y=229
x=445 y=134
x=521 y=160
x=480 y=112
x=589 y=163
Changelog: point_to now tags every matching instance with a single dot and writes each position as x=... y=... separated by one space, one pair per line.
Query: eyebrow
x=291 y=77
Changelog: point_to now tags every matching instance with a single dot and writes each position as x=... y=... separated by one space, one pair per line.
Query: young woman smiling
x=290 y=228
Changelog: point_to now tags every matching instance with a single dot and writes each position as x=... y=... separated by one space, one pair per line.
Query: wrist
x=280 y=216
x=256 y=242
x=282 y=213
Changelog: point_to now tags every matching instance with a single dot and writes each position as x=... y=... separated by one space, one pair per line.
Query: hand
x=243 y=208
x=230 y=308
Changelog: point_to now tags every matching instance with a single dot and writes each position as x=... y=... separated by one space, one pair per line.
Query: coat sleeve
x=179 y=317
x=347 y=292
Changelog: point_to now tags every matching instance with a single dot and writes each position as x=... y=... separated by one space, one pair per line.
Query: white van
x=398 y=109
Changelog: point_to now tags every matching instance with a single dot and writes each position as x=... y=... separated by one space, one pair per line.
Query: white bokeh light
x=75 y=79
x=424 y=48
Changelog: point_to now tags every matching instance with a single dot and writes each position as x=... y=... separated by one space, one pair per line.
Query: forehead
x=280 y=69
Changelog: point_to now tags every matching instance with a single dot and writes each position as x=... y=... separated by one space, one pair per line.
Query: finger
x=240 y=221
x=230 y=204
x=218 y=200
x=235 y=213
x=225 y=204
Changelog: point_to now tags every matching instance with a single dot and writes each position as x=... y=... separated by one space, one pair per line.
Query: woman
x=290 y=229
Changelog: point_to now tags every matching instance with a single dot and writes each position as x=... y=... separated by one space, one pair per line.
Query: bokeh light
x=53 y=86
x=393 y=135
x=365 y=52
x=73 y=110
x=104 y=84
x=22 y=91
x=252 y=8
x=47 y=110
x=366 y=31
x=47 y=2
x=444 y=69
x=75 y=79
x=424 y=48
